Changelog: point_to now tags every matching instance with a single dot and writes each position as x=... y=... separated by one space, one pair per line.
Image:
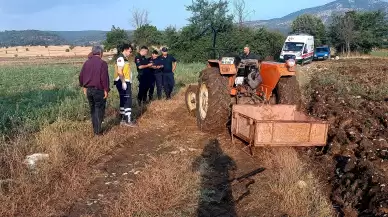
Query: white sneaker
x=128 y=124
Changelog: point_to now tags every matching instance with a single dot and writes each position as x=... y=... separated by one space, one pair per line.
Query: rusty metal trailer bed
x=276 y=125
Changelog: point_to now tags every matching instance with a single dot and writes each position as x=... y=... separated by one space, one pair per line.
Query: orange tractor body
x=270 y=73
x=258 y=100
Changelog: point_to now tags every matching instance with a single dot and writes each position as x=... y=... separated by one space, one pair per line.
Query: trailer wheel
x=213 y=101
x=191 y=99
x=288 y=92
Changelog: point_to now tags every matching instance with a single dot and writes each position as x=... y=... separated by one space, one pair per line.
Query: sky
x=74 y=15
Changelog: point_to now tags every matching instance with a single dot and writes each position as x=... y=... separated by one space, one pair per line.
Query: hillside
x=324 y=12
x=29 y=37
x=85 y=38
x=36 y=37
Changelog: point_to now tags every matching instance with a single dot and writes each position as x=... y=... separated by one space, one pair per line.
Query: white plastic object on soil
x=32 y=159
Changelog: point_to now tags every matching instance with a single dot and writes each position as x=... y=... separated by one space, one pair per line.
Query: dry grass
x=58 y=181
x=288 y=187
x=49 y=51
x=298 y=190
x=165 y=188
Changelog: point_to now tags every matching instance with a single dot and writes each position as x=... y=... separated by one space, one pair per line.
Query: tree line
x=194 y=42
x=214 y=30
x=352 y=31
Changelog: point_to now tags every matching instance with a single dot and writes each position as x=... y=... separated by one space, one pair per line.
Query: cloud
x=33 y=6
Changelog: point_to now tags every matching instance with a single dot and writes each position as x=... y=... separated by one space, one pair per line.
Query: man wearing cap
x=169 y=66
x=157 y=75
x=123 y=83
x=94 y=79
x=143 y=65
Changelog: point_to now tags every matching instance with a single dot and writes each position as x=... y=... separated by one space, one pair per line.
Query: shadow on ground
x=215 y=168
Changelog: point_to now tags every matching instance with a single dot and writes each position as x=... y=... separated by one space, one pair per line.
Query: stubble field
x=166 y=167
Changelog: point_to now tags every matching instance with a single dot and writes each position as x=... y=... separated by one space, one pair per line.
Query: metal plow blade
x=276 y=125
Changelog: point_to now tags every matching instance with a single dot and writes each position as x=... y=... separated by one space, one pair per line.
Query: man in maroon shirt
x=94 y=79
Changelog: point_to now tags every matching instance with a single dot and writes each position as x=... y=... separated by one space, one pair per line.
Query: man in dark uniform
x=143 y=65
x=169 y=66
x=157 y=75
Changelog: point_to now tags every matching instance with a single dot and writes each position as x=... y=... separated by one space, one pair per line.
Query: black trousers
x=159 y=84
x=151 y=87
x=97 y=108
x=125 y=100
x=146 y=81
x=168 y=83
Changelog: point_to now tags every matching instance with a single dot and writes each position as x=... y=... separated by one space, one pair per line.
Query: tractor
x=258 y=100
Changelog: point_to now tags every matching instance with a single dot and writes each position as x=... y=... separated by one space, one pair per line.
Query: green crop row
x=32 y=96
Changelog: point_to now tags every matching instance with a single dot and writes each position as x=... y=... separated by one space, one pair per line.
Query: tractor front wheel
x=213 y=101
x=190 y=99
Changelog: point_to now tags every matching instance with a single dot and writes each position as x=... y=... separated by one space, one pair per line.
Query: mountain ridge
x=324 y=12
x=11 y=38
x=91 y=37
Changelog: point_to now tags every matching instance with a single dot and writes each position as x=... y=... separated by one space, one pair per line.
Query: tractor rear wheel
x=288 y=92
x=213 y=101
x=190 y=99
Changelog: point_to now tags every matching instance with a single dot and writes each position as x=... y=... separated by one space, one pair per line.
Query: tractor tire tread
x=219 y=102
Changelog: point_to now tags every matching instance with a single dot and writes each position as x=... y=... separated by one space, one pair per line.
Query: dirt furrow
x=167 y=167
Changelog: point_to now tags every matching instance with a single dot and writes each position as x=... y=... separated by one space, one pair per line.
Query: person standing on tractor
x=157 y=75
x=123 y=83
x=169 y=66
x=143 y=69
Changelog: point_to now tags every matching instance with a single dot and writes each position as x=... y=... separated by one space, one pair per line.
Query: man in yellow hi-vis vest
x=123 y=81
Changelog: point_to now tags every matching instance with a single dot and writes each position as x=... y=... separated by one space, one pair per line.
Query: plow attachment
x=276 y=125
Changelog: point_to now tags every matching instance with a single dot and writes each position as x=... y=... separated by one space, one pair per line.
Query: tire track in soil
x=164 y=123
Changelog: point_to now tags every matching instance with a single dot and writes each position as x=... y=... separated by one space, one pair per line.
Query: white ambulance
x=300 y=47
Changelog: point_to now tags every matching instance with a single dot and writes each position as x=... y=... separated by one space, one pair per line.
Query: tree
x=342 y=31
x=115 y=37
x=309 y=24
x=209 y=19
x=239 y=9
x=193 y=42
x=170 y=36
x=210 y=14
x=346 y=29
x=139 y=18
x=358 y=31
x=147 y=35
x=371 y=30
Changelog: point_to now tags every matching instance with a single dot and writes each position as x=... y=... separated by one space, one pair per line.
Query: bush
x=16 y=55
x=193 y=49
x=27 y=49
x=71 y=47
x=67 y=50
